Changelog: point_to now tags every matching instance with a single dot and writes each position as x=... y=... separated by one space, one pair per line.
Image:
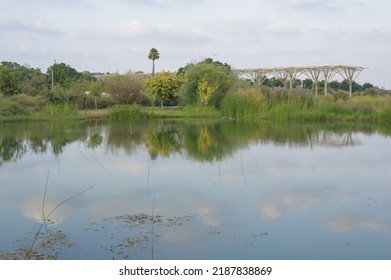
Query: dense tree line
x=206 y=83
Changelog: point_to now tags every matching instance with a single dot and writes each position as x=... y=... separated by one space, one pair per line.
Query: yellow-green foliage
x=205 y=91
x=377 y=103
x=163 y=86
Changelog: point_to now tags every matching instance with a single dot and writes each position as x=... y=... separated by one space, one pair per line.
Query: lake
x=194 y=189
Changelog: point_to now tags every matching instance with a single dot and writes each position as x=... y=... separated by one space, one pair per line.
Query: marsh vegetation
x=204 y=89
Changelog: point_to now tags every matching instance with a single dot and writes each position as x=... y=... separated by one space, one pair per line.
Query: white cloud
x=301 y=200
x=38 y=27
x=132 y=167
x=347 y=222
x=248 y=34
x=283 y=28
x=319 y=5
x=132 y=28
x=163 y=4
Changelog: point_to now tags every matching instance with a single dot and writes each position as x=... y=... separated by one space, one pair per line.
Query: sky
x=116 y=35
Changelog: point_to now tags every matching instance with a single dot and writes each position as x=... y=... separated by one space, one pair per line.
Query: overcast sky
x=116 y=35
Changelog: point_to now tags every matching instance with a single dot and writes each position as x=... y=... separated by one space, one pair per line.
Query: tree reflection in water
x=199 y=140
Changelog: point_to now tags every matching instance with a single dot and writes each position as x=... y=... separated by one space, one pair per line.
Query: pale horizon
x=116 y=36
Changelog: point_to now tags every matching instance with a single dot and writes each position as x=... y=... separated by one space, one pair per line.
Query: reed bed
x=129 y=112
x=304 y=106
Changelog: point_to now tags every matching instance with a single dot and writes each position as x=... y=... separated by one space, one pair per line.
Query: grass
x=301 y=106
x=128 y=112
x=184 y=112
x=53 y=111
x=135 y=111
x=265 y=104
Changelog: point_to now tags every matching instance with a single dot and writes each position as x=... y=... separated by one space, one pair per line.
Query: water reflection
x=202 y=140
x=211 y=189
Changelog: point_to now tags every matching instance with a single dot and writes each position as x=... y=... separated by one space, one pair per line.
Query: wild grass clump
x=383 y=117
x=245 y=103
x=358 y=108
x=280 y=104
x=302 y=105
x=60 y=111
x=128 y=112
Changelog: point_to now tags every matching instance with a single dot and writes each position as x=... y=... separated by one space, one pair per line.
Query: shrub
x=370 y=92
x=360 y=108
x=341 y=95
x=103 y=101
x=128 y=89
x=21 y=104
x=9 y=107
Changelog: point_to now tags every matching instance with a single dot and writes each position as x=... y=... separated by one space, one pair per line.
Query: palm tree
x=153 y=55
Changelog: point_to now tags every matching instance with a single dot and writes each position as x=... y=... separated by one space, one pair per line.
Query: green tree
x=16 y=79
x=163 y=86
x=63 y=74
x=307 y=83
x=355 y=86
x=153 y=55
x=367 y=86
x=35 y=82
x=8 y=81
x=95 y=90
x=218 y=76
x=335 y=85
x=275 y=82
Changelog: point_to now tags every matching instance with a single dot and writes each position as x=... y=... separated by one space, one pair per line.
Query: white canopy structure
x=288 y=75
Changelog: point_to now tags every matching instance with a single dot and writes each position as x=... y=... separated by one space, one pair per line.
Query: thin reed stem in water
x=221 y=185
x=153 y=222
x=244 y=176
x=45 y=219
x=44 y=196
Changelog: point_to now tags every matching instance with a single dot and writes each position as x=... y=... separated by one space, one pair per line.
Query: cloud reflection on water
x=244 y=187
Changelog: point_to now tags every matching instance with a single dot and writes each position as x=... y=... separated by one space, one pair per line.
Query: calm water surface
x=166 y=189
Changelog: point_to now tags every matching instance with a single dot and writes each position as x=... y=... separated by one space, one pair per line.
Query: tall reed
x=58 y=111
x=262 y=102
x=128 y=112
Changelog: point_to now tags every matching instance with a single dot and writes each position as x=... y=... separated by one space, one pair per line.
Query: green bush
x=103 y=101
x=21 y=104
x=340 y=95
x=60 y=95
x=9 y=107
